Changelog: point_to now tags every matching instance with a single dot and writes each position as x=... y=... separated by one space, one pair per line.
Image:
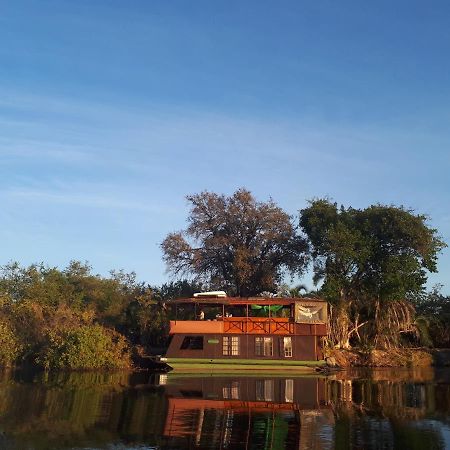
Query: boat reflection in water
x=385 y=409
x=248 y=413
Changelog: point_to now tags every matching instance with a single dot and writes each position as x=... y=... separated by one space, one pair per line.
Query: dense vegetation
x=370 y=264
x=74 y=319
x=433 y=317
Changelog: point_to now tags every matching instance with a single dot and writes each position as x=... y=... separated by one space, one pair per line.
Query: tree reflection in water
x=351 y=410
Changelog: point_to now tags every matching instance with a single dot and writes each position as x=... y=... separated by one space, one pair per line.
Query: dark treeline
x=370 y=264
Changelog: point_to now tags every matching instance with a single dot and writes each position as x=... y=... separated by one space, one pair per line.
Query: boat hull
x=232 y=365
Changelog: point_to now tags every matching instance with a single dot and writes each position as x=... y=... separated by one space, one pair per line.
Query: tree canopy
x=236 y=243
x=368 y=259
x=380 y=251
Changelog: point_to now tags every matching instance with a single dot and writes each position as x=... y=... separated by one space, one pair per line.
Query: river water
x=383 y=409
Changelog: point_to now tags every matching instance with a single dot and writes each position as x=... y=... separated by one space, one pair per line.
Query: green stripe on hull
x=241 y=364
x=245 y=371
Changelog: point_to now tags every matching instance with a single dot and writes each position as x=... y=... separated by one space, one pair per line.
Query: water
x=350 y=410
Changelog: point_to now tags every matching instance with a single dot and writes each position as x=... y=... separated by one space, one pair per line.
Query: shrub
x=10 y=347
x=84 y=347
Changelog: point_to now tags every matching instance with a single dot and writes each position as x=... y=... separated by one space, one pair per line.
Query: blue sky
x=111 y=112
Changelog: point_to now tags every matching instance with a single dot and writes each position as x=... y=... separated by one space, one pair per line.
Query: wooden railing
x=258 y=325
x=246 y=325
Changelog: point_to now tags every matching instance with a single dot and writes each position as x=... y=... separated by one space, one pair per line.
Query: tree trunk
x=341 y=323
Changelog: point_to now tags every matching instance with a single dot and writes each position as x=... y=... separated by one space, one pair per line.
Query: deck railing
x=258 y=325
x=246 y=325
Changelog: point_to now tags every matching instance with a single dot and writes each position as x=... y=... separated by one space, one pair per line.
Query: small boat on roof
x=231 y=333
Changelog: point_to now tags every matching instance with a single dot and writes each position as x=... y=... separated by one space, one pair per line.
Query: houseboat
x=246 y=333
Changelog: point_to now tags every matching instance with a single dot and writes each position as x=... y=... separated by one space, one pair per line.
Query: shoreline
x=399 y=357
x=334 y=358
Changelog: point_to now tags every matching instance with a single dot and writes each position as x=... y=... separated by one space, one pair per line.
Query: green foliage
x=146 y=323
x=433 y=309
x=379 y=252
x=46 y=306
x=423 y=330
x=10 y=347
x=176 y=289
x=86 y=347
x=370 y=261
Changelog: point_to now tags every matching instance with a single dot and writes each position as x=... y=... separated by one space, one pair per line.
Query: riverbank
x=402 y=357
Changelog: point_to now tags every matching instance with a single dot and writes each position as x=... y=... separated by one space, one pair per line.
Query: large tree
x=370 y=260
x=236 y=243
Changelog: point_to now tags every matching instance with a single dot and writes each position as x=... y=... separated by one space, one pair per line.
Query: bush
x=84 y=347
x=10 y=347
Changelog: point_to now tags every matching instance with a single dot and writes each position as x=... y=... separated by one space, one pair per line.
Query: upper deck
x=255 y=315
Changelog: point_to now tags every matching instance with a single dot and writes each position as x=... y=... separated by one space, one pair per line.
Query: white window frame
x=286 y=346
x=230 y=346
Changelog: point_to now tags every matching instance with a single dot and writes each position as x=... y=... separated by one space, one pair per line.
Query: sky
x=111 y=112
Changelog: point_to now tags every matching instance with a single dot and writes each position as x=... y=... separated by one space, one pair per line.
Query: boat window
x=286 y=343
x=264 y=390
x=289 y=391
x=231 y=391
x=191 y=393
x=231 y=345
x=263 y=346
x=192 y=343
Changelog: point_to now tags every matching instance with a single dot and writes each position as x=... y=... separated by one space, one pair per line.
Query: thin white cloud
x=32 y=150
x=161 y=148
x=90 y=128
x=82 y=199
